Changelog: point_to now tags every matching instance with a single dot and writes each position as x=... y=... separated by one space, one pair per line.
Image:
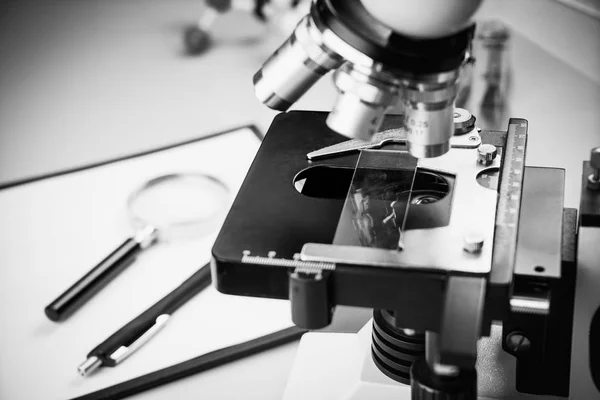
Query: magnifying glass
x=166 y=208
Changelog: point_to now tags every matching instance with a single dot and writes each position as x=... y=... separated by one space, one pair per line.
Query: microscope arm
x=423 y=18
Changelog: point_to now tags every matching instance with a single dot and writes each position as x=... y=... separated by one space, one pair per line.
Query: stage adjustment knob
x=486 y=153
x=594 y=178
x=427 y=385
x=464 y=121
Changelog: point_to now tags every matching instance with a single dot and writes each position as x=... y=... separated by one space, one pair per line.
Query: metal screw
x=464 y=121
x=517 y=343
x=594 y=178
x=473 y=138
x=473 y=242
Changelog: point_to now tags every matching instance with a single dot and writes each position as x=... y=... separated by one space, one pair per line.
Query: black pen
x=132 y=336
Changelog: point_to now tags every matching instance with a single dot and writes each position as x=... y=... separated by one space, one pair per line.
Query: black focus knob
x=427 y=385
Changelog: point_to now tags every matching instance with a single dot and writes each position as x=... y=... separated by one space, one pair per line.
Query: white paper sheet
x=54 y=231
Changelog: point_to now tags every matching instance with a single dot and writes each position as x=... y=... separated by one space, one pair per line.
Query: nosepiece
x=379 y=68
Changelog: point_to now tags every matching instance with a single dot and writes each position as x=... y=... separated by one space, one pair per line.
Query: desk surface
x=62 y=226
x=85 y=81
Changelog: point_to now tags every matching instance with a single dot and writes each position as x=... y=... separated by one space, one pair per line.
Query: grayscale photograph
x=300 y=199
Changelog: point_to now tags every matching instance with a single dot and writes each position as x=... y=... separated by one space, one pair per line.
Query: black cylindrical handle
x=92 y=282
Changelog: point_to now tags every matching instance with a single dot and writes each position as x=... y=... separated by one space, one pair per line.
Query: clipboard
x=59 y=225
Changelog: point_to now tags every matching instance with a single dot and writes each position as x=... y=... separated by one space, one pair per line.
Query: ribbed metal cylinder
x=394 y=349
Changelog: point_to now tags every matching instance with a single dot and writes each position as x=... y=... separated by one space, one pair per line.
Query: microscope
x=483 y=284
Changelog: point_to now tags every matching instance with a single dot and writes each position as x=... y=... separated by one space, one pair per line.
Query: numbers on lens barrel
x=488 y=178
x=415 y=127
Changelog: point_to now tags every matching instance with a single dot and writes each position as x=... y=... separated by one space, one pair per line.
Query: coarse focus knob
x=425 y=384
x=594 y=178
x=464 y=121
x=486 y=153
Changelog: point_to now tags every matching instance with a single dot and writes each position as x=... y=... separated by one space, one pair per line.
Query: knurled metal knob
x=464 y=121
x=486 y=153
x=427 y=385
x=594 y=178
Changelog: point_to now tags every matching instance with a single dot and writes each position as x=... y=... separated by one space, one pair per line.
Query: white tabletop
x=61 y=227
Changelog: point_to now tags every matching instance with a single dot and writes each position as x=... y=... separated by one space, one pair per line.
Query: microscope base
x=338 y=366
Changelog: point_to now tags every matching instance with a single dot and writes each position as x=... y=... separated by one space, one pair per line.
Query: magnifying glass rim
x=139 y=222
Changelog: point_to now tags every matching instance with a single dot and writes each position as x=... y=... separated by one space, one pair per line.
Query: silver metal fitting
x=300 y=62
x=146 y=236
x=364 y=96
x=445 y=370
x=429 y=112
x=530 y=305
x=473 y=242
x=464 y=121
x=494 y=36
x=432 y=356
x=486 y=153
x=89 y=365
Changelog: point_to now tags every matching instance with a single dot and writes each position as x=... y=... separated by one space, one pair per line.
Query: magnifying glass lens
x=178 y=200
x=168 y=207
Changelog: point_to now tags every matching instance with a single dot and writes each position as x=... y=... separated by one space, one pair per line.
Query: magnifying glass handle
x=99 y=276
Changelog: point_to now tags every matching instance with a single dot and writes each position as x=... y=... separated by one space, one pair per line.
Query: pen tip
x=89 y=365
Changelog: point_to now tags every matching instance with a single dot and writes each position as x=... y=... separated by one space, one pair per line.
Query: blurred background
x=86 y=81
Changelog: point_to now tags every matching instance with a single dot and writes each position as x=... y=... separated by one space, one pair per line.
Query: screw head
x=593 y=183
x=486 y=153
x=517 y=343
x=473 y=242
x=464 y=121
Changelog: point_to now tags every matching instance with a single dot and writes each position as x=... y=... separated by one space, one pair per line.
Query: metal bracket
x=469 y=140
x=462 y=321
x=309 y=290
x=271 y=261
